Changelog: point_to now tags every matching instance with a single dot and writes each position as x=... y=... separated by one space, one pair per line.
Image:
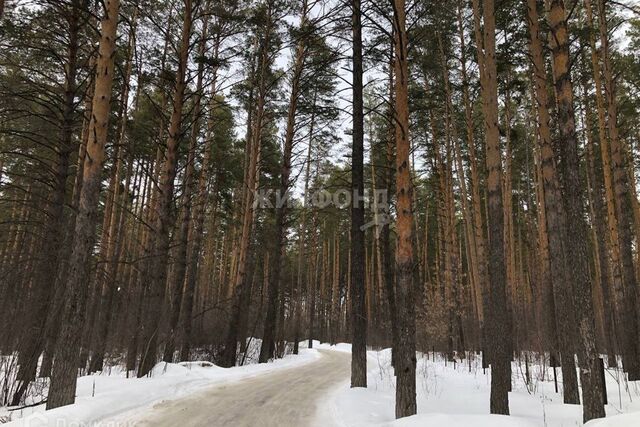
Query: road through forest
x=285 y=398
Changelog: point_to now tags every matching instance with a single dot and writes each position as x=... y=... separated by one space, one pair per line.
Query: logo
x=37 y=420
x=41 y=420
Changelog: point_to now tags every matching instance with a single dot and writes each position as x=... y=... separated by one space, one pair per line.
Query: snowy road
x=280 y=399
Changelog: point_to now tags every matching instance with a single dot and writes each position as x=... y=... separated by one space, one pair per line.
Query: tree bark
x=114 y=238
x=385 y=237
x=603 y=274
x=576 y=237
x=281 y=220
x=199 y=216
x=498 y=333
x=555 y=218
x=405 y=356
x=624 y=210
x=254 y=142
x=358 y=293
x=475 y=233
x=185 y=226
x=47 y=263
x=63 y=379
x=155 y=281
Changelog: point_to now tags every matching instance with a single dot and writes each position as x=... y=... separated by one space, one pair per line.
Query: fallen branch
x=28 y=406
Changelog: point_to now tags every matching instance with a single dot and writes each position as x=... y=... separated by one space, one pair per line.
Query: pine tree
x=498 y=333
x=405 y=354
x=576 y=237
x=63 y=379
x=358 y=292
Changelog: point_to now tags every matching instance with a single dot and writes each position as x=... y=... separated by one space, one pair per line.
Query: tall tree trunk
x=376 y=251
x=509 y=230
x=358 y=292
x=302 y=236
x=199 y=214
x=47 y=263
x=555 y=218
x=627 y=339
x=624 y=210
x=137 y=289
x=606 y=309
x=302 y=243
x=577 y=236
x=281 y=220
x=157 y=277
x=334 y=320
x=63 y=379
x=113 y=237
x=495 y=335
x=405 y=355
x=254 y=142
x=385 y=237
x=454 y=258
x=473 y=222
x=486 y=299
x=178 y=285
x=499 y=329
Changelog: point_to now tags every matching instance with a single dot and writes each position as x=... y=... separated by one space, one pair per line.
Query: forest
x=230 y=180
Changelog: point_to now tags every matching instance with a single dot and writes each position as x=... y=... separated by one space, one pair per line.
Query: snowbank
x=457 y=395
x=449 y=395
x=622 y=420
x=110 y=400
x=463 y=421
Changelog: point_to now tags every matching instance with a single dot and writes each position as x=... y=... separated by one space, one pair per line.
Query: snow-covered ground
x=449 y=395
x=106 y=399
x=458 y=396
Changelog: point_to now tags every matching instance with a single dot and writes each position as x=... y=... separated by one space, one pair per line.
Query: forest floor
x=312 y=389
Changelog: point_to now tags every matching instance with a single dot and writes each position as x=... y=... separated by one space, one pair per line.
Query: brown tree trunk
x=453 y=248
x=281 y=220
x=498 y=333
x=155 y=281
x=602 y=263
x=486 y=299
x=376 y=251
x=135 y=283
x=254 y=142
x=199 y=216
x=358 y=293
x=334 y=318
x=405 y=354
x=180 y=268
x=63 y=379
x=624 y=210
x=385 y=234
x=113 y=235
x=509 y=229
x=577 y=236
x=47 y=263
x=302 y=245
x=555 y=219
x=627 y=341
x=478 y=242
